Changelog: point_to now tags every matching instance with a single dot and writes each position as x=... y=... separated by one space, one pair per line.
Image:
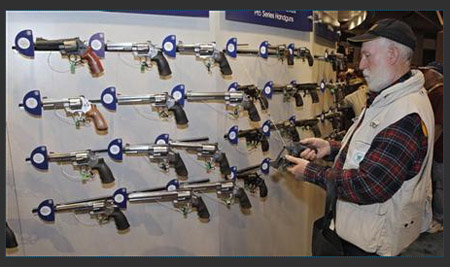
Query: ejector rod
x=214 y=96
x=138 y=99
x=157 y=196
x=190 y=145
x=130 y=149
x=207 y=49
x=247 y=169
x=120 y=47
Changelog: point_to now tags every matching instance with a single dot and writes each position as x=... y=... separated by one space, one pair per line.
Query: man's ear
x=393 y=54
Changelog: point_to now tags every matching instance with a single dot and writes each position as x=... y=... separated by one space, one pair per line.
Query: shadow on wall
x=33 y=231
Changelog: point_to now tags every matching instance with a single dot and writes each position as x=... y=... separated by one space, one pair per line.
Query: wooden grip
x=97 y=117
x=95 y=65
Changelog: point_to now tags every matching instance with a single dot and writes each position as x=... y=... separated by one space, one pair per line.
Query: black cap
x=392 y=29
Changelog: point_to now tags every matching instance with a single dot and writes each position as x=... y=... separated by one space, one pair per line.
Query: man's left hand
x=299 y=169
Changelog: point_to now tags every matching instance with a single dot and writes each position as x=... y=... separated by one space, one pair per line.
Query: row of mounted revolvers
x=162 y=150
x=185 y=196
x=78 y=52
x=84 y=110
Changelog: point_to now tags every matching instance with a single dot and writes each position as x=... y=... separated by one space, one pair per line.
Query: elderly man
x=382 y=168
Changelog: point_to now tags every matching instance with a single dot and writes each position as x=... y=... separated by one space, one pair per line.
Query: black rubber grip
x=224 y=164
x=120 y=219
x=252 y=111
x=262 y=188
x=244 y=201
x=298 y=100
x=334 y=65
x=290 y=59
x=286 y=163
x=293 y=133
x=179 y=166
x=106 y=176
x=180 y=114
x=314 y=96
x=11 y=241
x=163 y=65
x=278 y=162
x=264 y=143
x=297 y=148
x=310 y=59
x=202 y=210
x=225 y=68
x=316 y=131
x=335 y=123
x=263 y=101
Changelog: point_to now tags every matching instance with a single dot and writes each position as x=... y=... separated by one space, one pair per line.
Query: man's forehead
x=371 y=45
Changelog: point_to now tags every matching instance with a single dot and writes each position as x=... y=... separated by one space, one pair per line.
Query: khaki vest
x=387 y=228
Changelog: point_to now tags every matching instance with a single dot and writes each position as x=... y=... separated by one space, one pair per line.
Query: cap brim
x=359 y=39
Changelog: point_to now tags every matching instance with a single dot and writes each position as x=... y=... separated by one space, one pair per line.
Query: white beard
x=379 y=80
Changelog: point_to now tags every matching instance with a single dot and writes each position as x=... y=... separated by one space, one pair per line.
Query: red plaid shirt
x=395 y=155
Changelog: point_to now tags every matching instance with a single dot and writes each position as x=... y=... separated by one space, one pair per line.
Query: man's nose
x=362 y=64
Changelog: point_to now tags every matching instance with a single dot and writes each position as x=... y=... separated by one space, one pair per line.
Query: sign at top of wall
x=188 y=13
x=288 y=19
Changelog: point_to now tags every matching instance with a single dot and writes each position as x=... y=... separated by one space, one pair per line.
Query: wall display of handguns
x=235 y=98
x=78 y=51
x=252 y=176
x=210 y=152
x=89 y=160
x=252 y=92
x=162 y=152
x=256 y=136
x=84 y=110
x=86 y=161
x=334 y=117
x=293 y=90
x=281 y=51
x=226 y=191
x=104 y=209
x=147 y=53
x=206 y=52
x=337 y=60
x=337 y=90
x=185 y=197
x=11 y=241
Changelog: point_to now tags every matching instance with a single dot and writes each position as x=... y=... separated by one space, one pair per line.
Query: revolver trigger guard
x=209 y=165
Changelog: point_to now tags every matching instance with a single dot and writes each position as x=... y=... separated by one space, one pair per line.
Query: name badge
x=357 y=157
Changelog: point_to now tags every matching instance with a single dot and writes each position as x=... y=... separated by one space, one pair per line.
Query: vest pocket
x=361 y=225
x=405 y=229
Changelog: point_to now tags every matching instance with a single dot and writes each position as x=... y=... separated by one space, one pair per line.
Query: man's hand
x=322 y=146
x=299 y=169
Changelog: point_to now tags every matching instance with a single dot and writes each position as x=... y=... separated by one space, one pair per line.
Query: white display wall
x=277 y=225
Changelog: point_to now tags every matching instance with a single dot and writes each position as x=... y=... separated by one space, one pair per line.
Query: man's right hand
x=322 y=146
